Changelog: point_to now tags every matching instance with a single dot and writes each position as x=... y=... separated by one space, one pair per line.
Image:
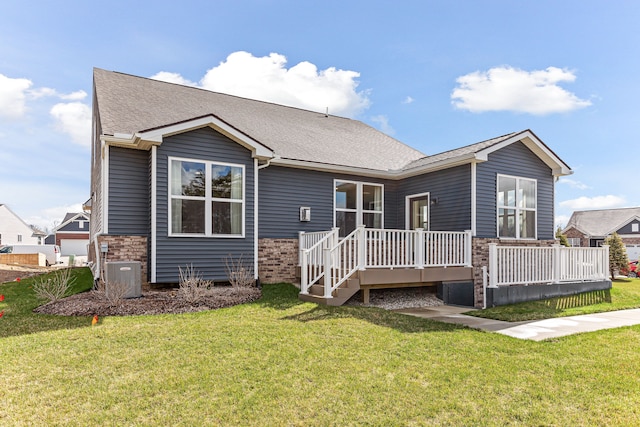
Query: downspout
x=256 y=169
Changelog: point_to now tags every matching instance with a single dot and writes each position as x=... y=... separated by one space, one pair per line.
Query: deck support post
x=468 y=239
x=556 y=264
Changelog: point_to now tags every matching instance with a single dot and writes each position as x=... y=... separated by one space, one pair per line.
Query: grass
x=624 y=294
x=279 y=361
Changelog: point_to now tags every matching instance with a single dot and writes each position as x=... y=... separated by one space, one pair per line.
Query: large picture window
x=206 y=198
x=357 y=203
x=516 y=207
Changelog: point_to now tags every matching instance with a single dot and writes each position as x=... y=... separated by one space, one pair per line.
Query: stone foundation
x=277 y=260
x=123 y=248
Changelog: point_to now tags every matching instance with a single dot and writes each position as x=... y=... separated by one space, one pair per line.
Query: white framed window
x=19 y=238
x=80 y=224
x=517 y=207
x=574 y=241
x=206 y=198
x=635 y=227
x=357 y=203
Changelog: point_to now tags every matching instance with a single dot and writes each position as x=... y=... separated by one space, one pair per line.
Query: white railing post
x=556 y=261
x=300 y=246
x=419 y=248
x=484 y=286
x=328 y=273
x=362 y=247
x=493 y=265
x=304 y=273
x=468 y=239
x=606 y=261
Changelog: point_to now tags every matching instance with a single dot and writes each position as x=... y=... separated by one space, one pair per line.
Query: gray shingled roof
x=128 y=104
x=458 y=152
x=601 y=222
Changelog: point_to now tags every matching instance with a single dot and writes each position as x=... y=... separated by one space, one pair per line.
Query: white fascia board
x=622 y=224
x=532 y=142
x=71 y=220
x=154 y=137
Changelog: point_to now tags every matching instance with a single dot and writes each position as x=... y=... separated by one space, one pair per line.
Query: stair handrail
x=312 y=261
x=344 y=259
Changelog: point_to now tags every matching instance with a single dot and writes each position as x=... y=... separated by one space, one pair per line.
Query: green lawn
x=624 y=294
x=279 y=361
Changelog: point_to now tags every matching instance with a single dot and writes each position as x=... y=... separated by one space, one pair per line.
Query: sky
x=436 y=75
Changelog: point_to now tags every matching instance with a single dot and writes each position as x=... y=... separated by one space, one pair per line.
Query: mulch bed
x=152 y=302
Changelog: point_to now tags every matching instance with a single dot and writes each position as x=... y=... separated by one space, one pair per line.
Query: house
x=14 y=231
x=72 y=235
x=591 y=228
x=181 y=175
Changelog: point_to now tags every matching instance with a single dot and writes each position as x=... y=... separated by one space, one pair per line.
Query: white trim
x=146 y=139
x=474 y=198
x=359 y=211
x=207 y=199
x=105 y=191
x=154 y=213
x=407 y=209
x=255 y=218
x=516 y=208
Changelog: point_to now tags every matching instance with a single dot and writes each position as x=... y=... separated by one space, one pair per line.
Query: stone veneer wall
x=480 y=258
x=125 y=248
x=277 y=260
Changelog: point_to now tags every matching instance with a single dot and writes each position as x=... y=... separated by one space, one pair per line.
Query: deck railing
x=521 y=265
x=377 y=248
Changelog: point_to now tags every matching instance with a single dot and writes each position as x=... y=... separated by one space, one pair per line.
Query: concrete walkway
x=536 y=330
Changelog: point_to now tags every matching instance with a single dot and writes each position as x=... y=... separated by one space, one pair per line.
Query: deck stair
x=338 y=297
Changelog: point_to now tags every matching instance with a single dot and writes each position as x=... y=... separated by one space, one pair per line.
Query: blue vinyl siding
x=128 y=191
x=282 y=191
x=207 y=254
x=452 y=188
x=516 y=160
x=627 y=229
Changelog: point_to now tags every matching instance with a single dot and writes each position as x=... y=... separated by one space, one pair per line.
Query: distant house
x=591 y=228
x=14 y=231
x=181 y=175
x=72 y=235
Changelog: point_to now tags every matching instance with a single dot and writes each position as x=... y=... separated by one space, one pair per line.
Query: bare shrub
x=239 y=272
x=53 y=287
x=192 y=286
x=116 y=291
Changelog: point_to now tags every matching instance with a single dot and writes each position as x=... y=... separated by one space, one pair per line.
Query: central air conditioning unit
x=123 y=276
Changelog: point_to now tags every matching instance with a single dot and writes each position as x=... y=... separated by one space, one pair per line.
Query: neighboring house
x=591 y=228
x=72 y=235
x=14 y=231
x=182 y=176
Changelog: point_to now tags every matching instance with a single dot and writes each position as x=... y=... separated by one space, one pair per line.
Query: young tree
x=617 y=254
x=562 y=238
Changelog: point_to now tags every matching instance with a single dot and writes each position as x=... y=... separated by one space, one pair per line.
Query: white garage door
x=73 y=247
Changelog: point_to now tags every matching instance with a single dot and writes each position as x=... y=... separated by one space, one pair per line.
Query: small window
x=574 y=242
x=80 y=224
x=19 y=238
x=635 y=227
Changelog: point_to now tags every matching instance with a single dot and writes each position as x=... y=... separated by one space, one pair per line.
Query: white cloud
x=12 y=96
x=511 y=89
x=383 y=124
x=74 y=118
x=168 y=77
x=597 y=202
x=74 y=96
x=42 y=92
x=573 y=183
x=561 y=221
x=408 y=100
x=268 y=79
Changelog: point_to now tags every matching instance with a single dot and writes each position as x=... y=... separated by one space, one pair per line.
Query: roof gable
x=600 y=223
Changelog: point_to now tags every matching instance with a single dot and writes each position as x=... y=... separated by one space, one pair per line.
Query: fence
x=521 y=265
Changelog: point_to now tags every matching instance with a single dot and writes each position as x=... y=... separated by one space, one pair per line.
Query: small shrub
x=53 y=287
x=192 y=286
x=114 y=292
x=239 y=272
